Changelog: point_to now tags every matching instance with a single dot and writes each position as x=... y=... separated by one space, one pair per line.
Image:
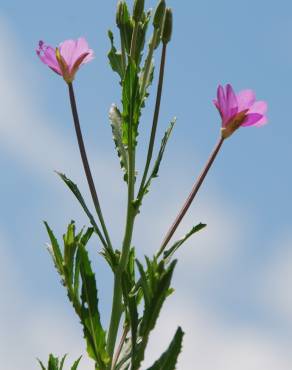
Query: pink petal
x=263 y=121
x=259 y=107
x=232 y=105
x=47 y=55
x=221 y=99
x=252 y=119
x=245 y=99
x=67 y=50
x=82 y=48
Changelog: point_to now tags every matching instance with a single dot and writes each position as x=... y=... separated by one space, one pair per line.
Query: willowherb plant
x=136 y=283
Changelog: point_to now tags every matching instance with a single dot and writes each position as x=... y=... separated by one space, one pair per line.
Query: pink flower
x=67 y=58
x=240 y=109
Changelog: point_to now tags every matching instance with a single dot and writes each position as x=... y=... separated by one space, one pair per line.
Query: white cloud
x=274 y=288
x=209 y=345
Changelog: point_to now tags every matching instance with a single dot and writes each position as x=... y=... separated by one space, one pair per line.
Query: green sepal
x=168 y=359
x=169 y=253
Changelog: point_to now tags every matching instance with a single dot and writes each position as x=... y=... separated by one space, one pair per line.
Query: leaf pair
x=74 y=267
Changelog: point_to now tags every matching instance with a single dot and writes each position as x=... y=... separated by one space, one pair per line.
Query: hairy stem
x=155 y=120
x=87 y=167
x=191 y=197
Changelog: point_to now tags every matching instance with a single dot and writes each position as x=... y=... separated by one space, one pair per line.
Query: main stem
x=117 y=308
x=86 y=163
x=191 y=197
x=155 y=119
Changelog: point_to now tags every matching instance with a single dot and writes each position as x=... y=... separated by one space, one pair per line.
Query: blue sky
x=233 y=281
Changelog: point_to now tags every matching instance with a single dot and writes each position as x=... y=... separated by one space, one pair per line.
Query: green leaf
x=90 y=317
x=169 y=253
x=73 y=187
x=155 y=170
x=155 y=283
x=131 y=105
x=62 y=362
x=76 y=363
x=116 y=124
x=55 y=250
x=41 y=364
x=53 y=363
x=168 y=359
x=115 y=57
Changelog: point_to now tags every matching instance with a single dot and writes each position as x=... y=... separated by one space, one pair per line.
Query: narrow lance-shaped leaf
x=41 y=364
x=116 y=124
x=160 y=279
x=55 y=250
x=74 y=188
x=62 y=362
x=131 y=104
x=155 y=170
x=168 y=359
x=90 y=317
x=76 y=363
x=115 y=57
x=169 y=253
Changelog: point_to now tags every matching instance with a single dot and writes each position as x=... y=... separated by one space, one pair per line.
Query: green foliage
x=168 y=359
x=73 y=265
x=155 y=284
x=155 y=169
x=131 y=106
x=169 y=253
x=107 y=252
x=55 y=364
x=90 y=318
x=116 y=124
x=115 y=58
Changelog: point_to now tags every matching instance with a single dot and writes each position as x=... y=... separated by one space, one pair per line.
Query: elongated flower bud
x=159 y=15
x=119 y=14
x=138 y=10
x=167 y=26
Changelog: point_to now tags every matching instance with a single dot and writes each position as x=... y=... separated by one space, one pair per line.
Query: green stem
x=86 y=163
x=192 y=195
x=117 y=308
x=155 y=120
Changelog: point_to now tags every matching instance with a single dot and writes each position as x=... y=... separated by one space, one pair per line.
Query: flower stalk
x=191 y=197
x=86 y=166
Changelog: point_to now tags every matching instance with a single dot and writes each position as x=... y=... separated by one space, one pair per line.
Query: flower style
x=240 y=109
x=66 y=59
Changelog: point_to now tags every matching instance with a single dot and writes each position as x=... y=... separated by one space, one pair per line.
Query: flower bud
x=119 y=14
x=167 y=26
x=138 y=10
x=159 y=14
